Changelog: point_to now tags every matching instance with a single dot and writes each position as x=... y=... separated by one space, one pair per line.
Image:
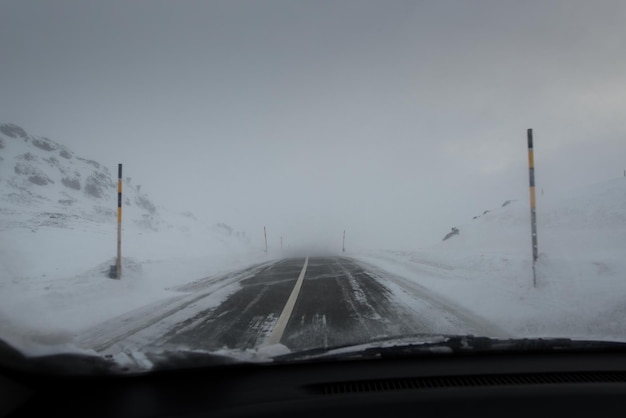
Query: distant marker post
x=533 y=209
x=118 y=265
x=265 y=235
x=343 y=243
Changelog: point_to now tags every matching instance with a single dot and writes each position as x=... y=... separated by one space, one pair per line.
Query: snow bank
x=487 y=268
x=58 y=240
x=54 y=283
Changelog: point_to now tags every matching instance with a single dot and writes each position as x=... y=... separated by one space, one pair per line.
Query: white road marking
x=281 y=324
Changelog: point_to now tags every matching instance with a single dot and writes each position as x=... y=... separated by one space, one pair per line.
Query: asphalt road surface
x=334 y=302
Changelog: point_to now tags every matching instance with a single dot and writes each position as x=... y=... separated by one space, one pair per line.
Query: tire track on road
x=482 y=326
x=122 y=327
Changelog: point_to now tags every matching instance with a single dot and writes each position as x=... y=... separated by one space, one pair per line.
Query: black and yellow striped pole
x=118 y=266
x=533 y=208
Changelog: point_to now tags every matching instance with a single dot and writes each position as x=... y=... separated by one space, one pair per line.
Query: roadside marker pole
x=533 y=209
x=343 y=244
x=118 y=266
x=265 y=235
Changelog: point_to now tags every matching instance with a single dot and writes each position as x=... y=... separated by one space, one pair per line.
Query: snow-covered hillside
x=487 y=266
x=58 y=227
x=44 y=183
x=45 y=178
x=45 y=187
x=58 y=239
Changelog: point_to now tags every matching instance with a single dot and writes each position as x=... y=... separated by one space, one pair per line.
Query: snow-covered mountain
x=589 y=220
x=43 y=182
x=58 y=214
x=58 y=239
x=580 y=287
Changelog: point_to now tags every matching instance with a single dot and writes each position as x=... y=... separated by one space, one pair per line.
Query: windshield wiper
x=411 y=346
x=76 y=364
x=85 y=364
x=417 y=345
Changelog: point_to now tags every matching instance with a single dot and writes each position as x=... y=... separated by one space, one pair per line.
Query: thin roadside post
x=118 y=265
x=533 y=209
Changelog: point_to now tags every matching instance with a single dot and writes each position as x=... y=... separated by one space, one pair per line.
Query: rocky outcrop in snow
x=40 y=175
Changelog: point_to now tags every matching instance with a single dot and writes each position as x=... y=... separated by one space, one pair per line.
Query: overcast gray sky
x=394 y=120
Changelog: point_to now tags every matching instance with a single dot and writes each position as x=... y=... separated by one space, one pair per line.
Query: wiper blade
x=348 y=350
x=181 y=359
x=412 y=347
x=86 y=364
x=68 y=364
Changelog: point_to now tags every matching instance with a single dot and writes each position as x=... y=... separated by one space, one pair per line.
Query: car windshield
x=253 y=180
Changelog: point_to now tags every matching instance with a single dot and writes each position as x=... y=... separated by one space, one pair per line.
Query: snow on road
x=54 y=292
x=54 y=288
x=487 y=268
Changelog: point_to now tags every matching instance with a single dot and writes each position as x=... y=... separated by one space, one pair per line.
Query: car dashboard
x=486 y=385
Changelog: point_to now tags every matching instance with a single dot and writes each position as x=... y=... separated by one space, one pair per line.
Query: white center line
x=277 y=333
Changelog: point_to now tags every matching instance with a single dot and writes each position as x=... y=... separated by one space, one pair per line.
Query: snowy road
x=338 y=302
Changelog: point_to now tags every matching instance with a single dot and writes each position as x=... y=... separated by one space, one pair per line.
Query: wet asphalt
x=339 y=303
